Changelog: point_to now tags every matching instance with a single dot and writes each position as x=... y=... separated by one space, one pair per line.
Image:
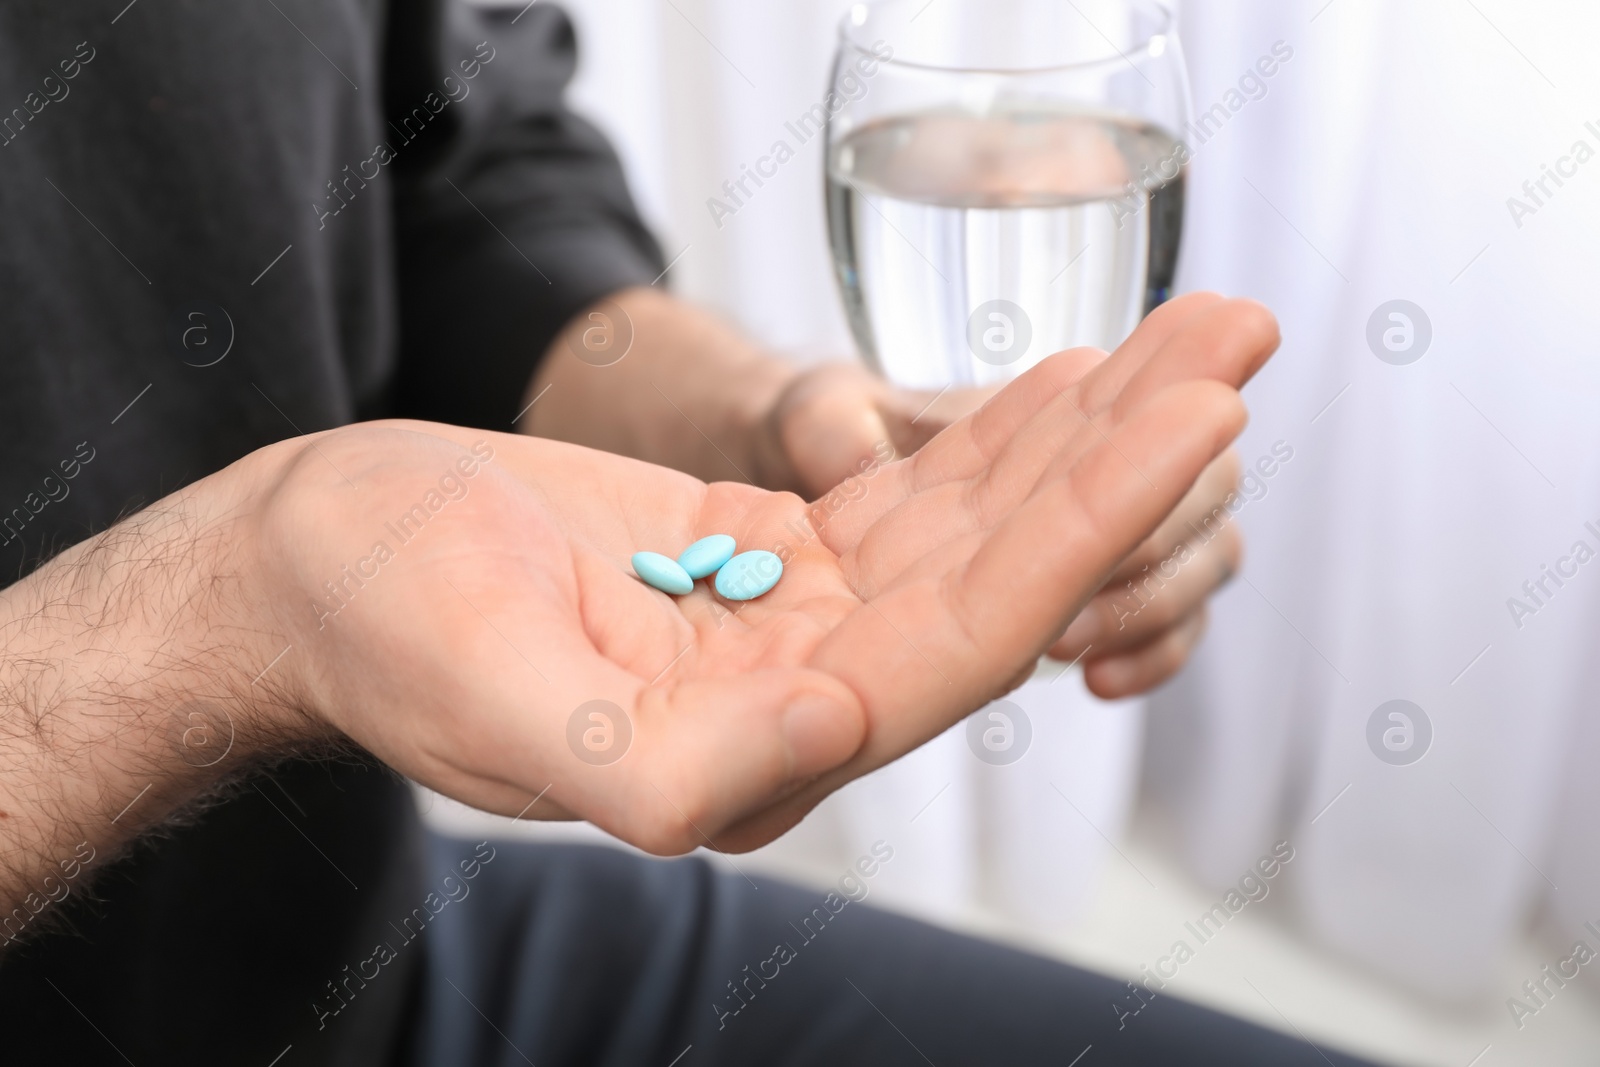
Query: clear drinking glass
x=1005 y=179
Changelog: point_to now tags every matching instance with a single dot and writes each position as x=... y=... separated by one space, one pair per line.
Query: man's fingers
x=958 y=639
x=1142 y=669
x=1200 y=516
x=963 y=449
x=963 y=641
x=1026 y=425
x=1109 y=502
x=974 y=443
x=1130 y=613
x=1029 y=427
x=1227 y=341
x=1193 y=553
x=1035 y=424
x=1148 y=338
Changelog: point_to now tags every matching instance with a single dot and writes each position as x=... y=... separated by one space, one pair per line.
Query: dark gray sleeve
x=511 y=212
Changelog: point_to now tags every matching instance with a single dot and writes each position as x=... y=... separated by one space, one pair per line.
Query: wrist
x=690 y=392
x=725 y=390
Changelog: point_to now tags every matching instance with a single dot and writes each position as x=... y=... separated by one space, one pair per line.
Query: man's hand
x=691 y=393
x=456 y=603
x=831 y=418
x=833 y=421
x=1142 y=625
x=471 y=654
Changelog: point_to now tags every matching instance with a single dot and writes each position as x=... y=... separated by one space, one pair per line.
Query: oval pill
x=662 y=572
x=748 y=575
x=707 y=555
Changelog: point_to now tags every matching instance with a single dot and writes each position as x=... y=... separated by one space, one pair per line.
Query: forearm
x=690 y=393
x=128 y=686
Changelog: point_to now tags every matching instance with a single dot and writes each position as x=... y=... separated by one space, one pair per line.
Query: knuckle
x=1169 y=611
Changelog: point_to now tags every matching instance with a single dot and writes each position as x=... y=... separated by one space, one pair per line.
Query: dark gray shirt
x=221 y=225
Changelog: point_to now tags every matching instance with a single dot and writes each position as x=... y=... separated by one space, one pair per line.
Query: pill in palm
x=707 y=555
x=663 y=572
x=748 y=575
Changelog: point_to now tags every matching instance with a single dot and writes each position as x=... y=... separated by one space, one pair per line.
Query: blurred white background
x=1375 y=165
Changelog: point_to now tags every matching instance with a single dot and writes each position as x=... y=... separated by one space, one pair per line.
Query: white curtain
x=1378 y=167
x=1373 y=166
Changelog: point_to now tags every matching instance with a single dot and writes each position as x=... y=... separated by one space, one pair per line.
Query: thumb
x=713 y=750
x=829 y=429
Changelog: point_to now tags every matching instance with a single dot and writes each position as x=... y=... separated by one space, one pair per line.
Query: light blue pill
x=706 y=555
x=662 y=572
x=748 y=575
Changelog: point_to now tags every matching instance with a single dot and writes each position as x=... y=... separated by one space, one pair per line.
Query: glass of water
x=1005 y=179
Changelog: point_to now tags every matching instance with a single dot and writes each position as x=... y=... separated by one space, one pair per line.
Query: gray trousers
x=579 y=955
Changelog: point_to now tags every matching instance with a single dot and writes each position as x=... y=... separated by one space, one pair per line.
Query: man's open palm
x=472 y=660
